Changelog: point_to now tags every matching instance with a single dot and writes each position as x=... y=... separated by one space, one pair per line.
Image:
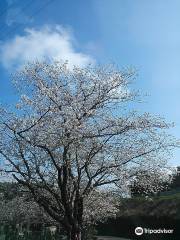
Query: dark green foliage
x=10 y=190
x=8 y=232
x=89 y=233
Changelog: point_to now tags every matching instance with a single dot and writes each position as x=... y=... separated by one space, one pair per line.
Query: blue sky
x=139 y=33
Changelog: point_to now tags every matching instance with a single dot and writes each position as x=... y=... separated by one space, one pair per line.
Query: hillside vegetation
x=164 y=205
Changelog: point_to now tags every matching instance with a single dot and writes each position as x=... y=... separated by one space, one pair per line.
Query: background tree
x=150 y=183
x=175 y=183
x=10 y=190
x=18 y=207
x=72 y=141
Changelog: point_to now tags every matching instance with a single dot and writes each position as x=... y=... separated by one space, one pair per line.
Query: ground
x=111 y=238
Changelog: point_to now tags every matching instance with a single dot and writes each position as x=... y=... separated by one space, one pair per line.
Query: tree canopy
x=73 y=143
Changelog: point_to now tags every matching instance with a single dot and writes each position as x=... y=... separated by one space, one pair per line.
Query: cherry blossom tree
x=72 y=142
x=19 y=210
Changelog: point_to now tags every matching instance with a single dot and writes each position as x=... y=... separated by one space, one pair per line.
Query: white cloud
x=52 y=43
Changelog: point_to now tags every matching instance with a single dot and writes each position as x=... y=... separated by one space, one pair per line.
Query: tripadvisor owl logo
x=139 y=231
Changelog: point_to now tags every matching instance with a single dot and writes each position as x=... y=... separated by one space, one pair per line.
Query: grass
x=165 y=196
x=168 y=197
